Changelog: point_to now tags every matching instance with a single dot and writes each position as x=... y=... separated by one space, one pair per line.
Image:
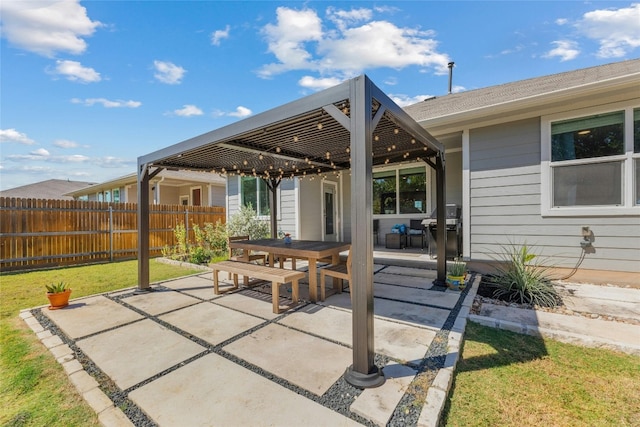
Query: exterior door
x=195 y=197
x=329 y=212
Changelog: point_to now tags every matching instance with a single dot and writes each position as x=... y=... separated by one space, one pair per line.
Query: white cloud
x=616 y=30
x=319 y=83
x=566 y=50
x=113 y=162
x=41 y=152
x=219 y=35
x=89 y=102
x=12 y=135
x=299 y=42
x=404 y=100
x=188 y=111
x=342 y=18
x=168 y=72
x=287 y=40
x=74 y=71
x=48 y=27
x=241 y=112
x=65 y=143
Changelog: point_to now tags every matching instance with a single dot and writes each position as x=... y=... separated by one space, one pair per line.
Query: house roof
x=511 y=98
x=55 y=189
x=171 y=178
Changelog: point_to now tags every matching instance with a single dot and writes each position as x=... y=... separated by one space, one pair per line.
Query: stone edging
x=108 y=414
x=439 y=389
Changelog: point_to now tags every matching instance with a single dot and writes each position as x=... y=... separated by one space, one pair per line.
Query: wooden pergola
x=350 y=127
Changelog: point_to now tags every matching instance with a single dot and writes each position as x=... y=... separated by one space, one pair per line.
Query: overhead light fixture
x=584 y=132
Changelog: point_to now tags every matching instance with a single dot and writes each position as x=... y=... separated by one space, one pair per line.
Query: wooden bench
x=276 y=276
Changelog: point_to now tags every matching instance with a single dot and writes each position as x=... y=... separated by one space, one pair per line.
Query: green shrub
x=246 y=223
x=521 y=278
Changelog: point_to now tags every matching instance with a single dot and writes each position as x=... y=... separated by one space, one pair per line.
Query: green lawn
x=509 y=379
x=34 y=389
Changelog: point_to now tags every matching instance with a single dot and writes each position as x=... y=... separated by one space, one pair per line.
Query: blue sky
x=87 y=87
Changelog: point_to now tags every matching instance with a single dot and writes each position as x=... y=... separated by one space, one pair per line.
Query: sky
x=86 y=87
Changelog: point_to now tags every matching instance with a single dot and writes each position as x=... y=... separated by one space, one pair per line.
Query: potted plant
x=456 y=274
x=58 y=294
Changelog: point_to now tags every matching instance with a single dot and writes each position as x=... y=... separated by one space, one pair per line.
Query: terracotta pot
x=59 y=300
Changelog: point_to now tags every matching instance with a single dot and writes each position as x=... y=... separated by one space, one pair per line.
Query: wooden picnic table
x=305 y=249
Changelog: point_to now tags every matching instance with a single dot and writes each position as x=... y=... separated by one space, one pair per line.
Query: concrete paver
x=392 y=339
x=138 y=351
x=377 y=404
x=397 y=279
x=87 y=316
x=235 y=396
x=155 y=302
x=251 y=302
x=416 y=295
x=211 y=322
x=302 y=359
x=200 y=286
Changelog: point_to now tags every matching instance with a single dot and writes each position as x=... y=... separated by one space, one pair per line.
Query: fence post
x=186 y=223
x=110 y=233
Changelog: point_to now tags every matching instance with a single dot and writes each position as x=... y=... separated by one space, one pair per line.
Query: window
x=593 y=162
x=401 y=191
x=254 y=192
x=116 y=195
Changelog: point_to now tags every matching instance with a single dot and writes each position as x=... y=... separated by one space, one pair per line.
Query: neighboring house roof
x=167 y=177
x=514 y=97
x=51 y=189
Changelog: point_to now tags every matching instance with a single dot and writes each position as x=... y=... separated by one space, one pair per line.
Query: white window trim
x=546 y=182
x=397 y=168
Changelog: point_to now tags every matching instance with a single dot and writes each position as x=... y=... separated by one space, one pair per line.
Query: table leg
x=275 y=291
x=313 y=279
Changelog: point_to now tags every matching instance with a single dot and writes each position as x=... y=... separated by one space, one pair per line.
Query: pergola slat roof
x=292 y=140
x=352 y=126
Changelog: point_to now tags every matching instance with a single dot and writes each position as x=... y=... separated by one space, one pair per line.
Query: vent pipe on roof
x=450 y=65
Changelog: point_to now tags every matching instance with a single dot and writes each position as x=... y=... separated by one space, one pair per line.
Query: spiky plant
x=521 y=278
x=56 y=288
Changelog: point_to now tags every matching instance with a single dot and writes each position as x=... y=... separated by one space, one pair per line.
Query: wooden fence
x=37 y=233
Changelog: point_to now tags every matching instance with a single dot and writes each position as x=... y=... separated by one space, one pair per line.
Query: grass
x=508 y=379
x=34 y=389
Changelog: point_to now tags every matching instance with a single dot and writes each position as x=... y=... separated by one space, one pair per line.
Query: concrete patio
x=182 y=356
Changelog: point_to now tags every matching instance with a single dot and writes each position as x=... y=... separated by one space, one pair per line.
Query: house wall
x=170 y=195
x=217 y=195
x=310 y=209
x=287 y=208
x=505 y=206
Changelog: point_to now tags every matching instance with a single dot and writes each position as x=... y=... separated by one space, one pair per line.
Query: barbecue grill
x=454 y=231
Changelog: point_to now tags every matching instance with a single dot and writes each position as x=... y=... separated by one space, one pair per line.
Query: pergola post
x=441 y=222
x=272 y=185
x=143 y=229
x=363 y=373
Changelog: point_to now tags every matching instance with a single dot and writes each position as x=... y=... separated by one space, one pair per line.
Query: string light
x=245 y=162
x=328 y=155
x=278 y=149
x=261 y=156
x=413 y=141
x=348 y=150
x=376 y=137
x=295 y=138
x=396 y=131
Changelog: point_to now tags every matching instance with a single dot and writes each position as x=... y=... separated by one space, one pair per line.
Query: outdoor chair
x=340 y=271
x=238 y=255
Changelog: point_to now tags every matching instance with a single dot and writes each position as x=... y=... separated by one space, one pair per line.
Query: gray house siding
x=288 y=208
x=505 y=206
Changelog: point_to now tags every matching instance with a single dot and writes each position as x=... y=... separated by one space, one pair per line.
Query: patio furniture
x=242 y=255
x=276 y=276
x=395 y=241
x=417 y=233
x=340 y=271
x=311 y=250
